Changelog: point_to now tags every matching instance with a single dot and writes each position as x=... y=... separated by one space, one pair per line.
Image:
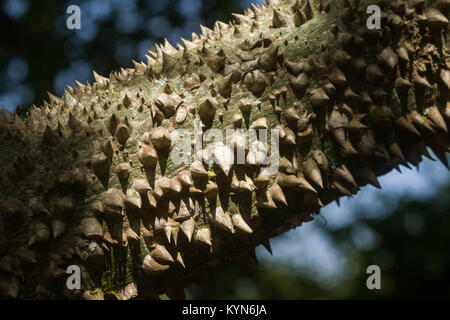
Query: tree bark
x=87 y=179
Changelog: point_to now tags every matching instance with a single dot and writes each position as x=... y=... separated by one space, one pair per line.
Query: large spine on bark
x=87 y=180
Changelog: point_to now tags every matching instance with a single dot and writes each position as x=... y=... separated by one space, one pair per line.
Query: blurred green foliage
x=411 y=249
x=38 y=53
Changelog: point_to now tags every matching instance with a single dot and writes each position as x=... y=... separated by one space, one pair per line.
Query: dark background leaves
x=38 y=53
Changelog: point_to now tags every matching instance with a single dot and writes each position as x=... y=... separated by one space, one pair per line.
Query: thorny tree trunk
x=86 y=180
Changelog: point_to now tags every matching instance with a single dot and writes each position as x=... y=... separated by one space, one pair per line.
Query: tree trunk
x=89 y=179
